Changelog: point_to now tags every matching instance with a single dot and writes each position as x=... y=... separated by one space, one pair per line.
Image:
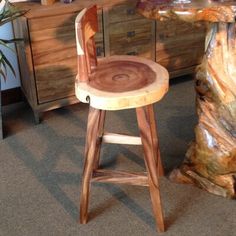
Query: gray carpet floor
x=41 y=165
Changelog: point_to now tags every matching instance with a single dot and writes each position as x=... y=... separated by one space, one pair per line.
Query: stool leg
x=155 y=139
x=146 y=133
x=90 y=158
x=99 y=140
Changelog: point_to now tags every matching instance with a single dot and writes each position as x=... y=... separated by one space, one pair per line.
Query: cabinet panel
x=132 y=38
x=54 y=55
x=127 y=32
x=24 y=53
x=56 y=33
x=179 y=44
x=123 y=12
x=56 y=80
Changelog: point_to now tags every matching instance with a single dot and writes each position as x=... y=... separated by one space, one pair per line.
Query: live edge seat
x=118 y=83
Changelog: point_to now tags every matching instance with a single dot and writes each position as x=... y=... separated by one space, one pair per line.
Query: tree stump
x=210 y=161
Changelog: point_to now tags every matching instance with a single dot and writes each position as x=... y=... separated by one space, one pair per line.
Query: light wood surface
x=101 y=124
x=121 y=139
x=120 y=177
x=179 y=44
x=155 y=140
x=210 y=161
x=90 y=159
x=107 y=100
x=150 y=148
x=47 y=2
x=196 y=10
x=115 y=83
x=126 y=32
x=50 y=46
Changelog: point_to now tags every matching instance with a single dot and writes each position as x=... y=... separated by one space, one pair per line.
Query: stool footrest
x=120 y=177
x=121 y=139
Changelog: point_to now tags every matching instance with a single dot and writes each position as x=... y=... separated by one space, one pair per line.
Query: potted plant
x=8 y=13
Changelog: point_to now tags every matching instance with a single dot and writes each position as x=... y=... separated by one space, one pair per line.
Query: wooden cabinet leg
x=90 y=159
x=37 y=117
x=146 y=133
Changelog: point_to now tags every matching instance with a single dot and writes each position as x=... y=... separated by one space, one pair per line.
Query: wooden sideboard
x=48 y=59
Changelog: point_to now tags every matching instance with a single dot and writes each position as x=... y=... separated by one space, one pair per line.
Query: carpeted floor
x=41 y=165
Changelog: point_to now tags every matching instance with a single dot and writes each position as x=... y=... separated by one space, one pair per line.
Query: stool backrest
x=86 y=26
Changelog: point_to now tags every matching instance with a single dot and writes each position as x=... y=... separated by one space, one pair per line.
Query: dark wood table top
x=196 y=10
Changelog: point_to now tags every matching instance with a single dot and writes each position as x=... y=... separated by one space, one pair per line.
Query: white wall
x=12 y=81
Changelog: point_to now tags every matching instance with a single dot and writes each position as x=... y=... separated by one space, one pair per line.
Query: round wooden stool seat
x=122 y=82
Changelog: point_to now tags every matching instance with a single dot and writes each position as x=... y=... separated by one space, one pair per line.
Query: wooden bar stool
x=115 y=83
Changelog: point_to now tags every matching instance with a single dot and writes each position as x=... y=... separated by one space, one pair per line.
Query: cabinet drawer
x=55 y=81
x=179 y=44
x=54 y=55
x=123 y=12
x=135 y=37
x=55 y=33
x=171 y=29
x=181 y=56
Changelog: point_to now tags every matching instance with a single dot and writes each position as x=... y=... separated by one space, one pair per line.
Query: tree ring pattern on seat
x=121 y=87
x=121 y=76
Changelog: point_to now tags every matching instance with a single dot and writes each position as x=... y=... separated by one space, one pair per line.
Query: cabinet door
x=54 y=55
x=122 y=12
x=132 y=38
x=126 y=32
x=179 y=45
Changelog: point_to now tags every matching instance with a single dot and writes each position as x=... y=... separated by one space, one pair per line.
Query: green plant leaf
x=7 y=62
x=3 y=75
x=10 y=18
x=8 y=13
x=2 y=43
x=4 y=64
x=11 y=40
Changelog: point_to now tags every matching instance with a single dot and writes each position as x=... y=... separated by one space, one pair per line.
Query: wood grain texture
x=101 y=124
x=47 y=2
x=122 y=76
x=50 y=46
x=120 y=177
x=53 y=48
x=151 y=160
x=90 y=158
x=86 y=26
x=36 y=10
x=197 y=10
x=211 y=159
x=121 y=139
x=117 y=83
x=155 y=140
x=105 y=100
x=175 y=34
x=91 y=173
x=128 y=33
x=25 y=61
x=123 y=12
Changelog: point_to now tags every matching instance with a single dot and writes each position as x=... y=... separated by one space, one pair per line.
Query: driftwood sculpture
x=210 y=161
